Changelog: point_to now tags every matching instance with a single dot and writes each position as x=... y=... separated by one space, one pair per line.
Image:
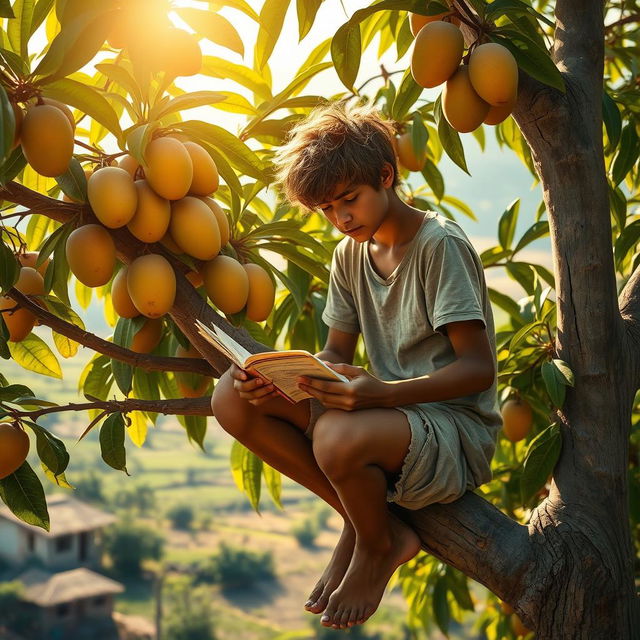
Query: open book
x=281 y=368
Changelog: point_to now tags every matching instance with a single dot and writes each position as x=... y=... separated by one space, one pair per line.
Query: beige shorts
x=434 y=469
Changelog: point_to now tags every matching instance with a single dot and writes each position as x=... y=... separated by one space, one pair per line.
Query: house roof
x=49 y=589
x=67 y=515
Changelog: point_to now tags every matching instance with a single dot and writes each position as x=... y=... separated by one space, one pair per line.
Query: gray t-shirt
x=439 y=280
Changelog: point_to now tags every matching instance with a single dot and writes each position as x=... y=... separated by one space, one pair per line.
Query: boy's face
x=357 y=210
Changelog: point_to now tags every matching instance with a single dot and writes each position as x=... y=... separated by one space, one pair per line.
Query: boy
x=421 y=426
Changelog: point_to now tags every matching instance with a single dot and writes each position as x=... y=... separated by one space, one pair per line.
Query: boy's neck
x=399 y=226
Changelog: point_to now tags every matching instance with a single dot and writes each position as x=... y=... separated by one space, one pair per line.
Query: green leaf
x=434 y=178
x=12 y=166
x=123 y=334
x=34 y=354
x=536 y=230
x=75 y=45
x=19 y=66
x=118 y=74
x=553 y=383
x=530 y=57
x=213 y=27
x=5 y=9
x=188 y=101
x=9 y=268
x=96 y=378
x=40 y=12
x=51 y=242
x=51 y=450
x=87 y=100
x=441 y=609
x=8 y=125
x=307 y=10
x=449 y=137
x=504 y=302
x=248 y=78
x=627 y=155
x=540 y=459
x=273 y=480
x=22 y=492
x=19 y=29
x=458 y=585
x=73 y=182
x=628 y=239
x=346 y=50
x=507 y=224
x=138 y=138
x=519 y=336
x=612 y=119
x=272 y=17
x=196 y=427
x=59 y=268
x=406 y=96
x=13 y=391
x=112 y=442
x=521 y=272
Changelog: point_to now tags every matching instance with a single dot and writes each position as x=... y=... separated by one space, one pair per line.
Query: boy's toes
x=312 y=603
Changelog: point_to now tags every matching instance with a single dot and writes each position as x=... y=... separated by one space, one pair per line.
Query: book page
x=224 y=343
x=284 y=371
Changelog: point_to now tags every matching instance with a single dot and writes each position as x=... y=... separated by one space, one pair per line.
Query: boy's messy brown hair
x=335 y=144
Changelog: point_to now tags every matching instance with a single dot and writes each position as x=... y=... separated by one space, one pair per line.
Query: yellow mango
x=194 y=228
x=122 y=303
x=463 y=108
x=151 y=218
x=151 y=283
x=226 y=283
x=47 y=140
x=437 y=52
x=493 y=72
x=168 y=170
x=112 y=196
x=91 y=254
x=221 y=217
x=205 y=173
x=262 y=293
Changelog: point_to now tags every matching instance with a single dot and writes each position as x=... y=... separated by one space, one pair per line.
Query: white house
x=67 y=599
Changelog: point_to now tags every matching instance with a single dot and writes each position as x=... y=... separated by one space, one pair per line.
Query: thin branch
x=88 y=339
x=173 y=406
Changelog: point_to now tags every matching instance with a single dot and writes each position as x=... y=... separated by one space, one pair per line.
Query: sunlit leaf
x=213 y=27
x=22 y=492
x=271 y=20
x=34 y=354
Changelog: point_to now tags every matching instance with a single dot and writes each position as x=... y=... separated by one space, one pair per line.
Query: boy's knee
x=227 y=406
x=335 y=446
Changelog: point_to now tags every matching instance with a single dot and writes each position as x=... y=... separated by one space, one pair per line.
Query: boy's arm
x=472 y=372
x=339 y=348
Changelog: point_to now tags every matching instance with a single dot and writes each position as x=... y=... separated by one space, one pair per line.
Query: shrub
x=181 y=517
x=305 y=532
x=129 y=544
x=235 y=568
x=189 y=615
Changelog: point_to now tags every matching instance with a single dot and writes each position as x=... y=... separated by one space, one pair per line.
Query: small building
x=64 y=596
x=73 y=541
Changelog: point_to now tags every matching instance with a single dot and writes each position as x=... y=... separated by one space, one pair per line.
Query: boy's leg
x=274 y=431
x=357 y=450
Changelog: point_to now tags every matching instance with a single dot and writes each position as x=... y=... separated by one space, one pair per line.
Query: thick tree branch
x=578 y=47
x=177 y=406
x=88 y=339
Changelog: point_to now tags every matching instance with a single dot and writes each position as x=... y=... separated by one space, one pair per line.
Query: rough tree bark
x=569 y=572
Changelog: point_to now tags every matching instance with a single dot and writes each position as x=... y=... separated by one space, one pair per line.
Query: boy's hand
x=254 y=390
x=363 y=391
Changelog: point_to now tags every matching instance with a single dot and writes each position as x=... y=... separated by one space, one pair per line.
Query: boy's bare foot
x=334 y=571
x=361 y=590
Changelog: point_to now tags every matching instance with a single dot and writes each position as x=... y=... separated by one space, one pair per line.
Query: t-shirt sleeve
x=454 y=284
x=340 y=311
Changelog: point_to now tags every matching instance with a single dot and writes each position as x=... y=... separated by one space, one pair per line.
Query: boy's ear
x=387 y=174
